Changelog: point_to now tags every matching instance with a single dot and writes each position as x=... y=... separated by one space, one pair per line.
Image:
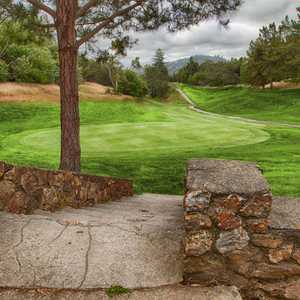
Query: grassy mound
x=273 y=105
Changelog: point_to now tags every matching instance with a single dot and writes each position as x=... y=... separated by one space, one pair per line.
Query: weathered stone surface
x=2 y=169
x=174 y=292
x=225 y=177
x=282 y=290
x=56 y=189
x=258 y=225
x=278 y=271
x=281 y=254
x=244 y=261
x=266 y=240
x=227 y=220
x=259 y=206
x=236 y=239
x=7 y=189
x=296 y=255
x=198 y=243
x=20 y=203
x=196 y=201
x=136 y=242
x=232 y=202
x=197 y=221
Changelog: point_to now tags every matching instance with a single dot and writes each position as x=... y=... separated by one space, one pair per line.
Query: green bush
x=130 y=83
x=4 y=74
x=33 y=64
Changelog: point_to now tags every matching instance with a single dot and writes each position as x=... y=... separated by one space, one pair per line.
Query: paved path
x=136 y=242
x=174 y=292
x=194 y=107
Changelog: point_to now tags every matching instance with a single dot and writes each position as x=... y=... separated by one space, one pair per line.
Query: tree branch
x=107 y=21
x=84 y=9
x=43 y=7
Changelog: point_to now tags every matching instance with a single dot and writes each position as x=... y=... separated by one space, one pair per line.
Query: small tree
x=157 y=76
x=130 y=83
x=78 y=22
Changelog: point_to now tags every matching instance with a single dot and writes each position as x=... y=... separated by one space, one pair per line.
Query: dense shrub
x=27 y=55
x=130 y=83
x=32 y=64
x=3 y=71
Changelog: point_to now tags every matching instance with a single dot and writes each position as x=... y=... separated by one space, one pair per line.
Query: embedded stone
x=292 y=290
x=20 y=203
x=197 y=244
x=2 y=169
x=266 y=241
x=259 y=206
x=225 y=177
x=7 y=189
x=56 y=179
x=10 y=175
x=50 y=199
x=275 y=271
x=281 y=254
x=296 y=255
x=29 y=183
x=228 y=241
x=196 y=201
x=227 y=220
x=258 y=225
x=92 y=191
x=243 y=261
x=282 y=290
x=197 y=221
x=233 y=202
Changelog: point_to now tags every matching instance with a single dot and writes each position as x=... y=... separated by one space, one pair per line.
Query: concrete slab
x=176 y=292
x=135 y=243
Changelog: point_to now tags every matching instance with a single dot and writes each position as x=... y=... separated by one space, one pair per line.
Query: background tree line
x=274 y=56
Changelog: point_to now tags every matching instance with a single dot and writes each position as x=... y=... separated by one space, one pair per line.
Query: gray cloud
x=210 y=38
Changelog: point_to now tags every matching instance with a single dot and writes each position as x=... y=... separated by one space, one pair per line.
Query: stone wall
x=24 y=189
x=228 y=235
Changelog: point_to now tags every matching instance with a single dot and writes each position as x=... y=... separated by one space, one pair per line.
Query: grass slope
x=273 y=105
x=149 y=142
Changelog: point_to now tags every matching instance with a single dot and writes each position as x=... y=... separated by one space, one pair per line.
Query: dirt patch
x=284 y=85
x=11 y=91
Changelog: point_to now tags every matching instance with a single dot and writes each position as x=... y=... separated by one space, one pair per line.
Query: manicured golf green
x=149 y=142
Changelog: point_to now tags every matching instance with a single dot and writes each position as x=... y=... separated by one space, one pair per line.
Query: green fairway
x=149 y=142
x=279 y=105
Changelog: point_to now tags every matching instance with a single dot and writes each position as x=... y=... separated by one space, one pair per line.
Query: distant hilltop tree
x=79 y=22
x=274 y=55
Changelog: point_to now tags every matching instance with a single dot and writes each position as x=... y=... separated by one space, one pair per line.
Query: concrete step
x=135 y=243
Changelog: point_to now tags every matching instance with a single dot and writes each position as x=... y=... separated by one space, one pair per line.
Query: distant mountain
x=174 y=66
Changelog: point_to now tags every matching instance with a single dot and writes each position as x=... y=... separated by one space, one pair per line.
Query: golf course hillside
x=279 y=105
x=11 y=91
x=149 y=141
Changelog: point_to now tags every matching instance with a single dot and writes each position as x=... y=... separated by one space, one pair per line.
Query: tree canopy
x=80 y=21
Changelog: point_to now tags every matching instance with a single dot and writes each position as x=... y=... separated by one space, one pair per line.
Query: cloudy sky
x=211 y=39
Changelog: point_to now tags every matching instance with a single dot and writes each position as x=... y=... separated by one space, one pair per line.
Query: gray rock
x=7 y=189
x=197 y=244
x=225 y=177
x=236 y=239
x=196 y=201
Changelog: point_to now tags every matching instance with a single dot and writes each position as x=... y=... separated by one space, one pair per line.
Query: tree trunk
x=69 y=95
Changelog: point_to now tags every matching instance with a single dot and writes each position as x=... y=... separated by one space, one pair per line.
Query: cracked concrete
x=134 y=243
x=174 y=292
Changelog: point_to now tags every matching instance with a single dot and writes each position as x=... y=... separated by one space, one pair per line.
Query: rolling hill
x=174 y=66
